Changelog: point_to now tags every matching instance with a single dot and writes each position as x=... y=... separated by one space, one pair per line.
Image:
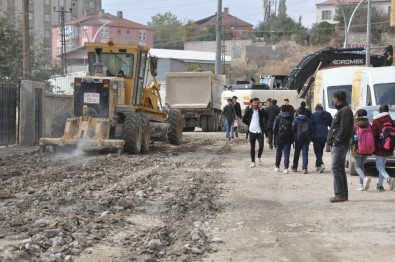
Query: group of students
x=289 y=127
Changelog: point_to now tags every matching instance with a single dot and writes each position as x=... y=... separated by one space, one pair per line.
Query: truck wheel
x=132 y=133
x=146 y=132
x=210 y=123
x=350 y=164
x=59 y=122
x=216 y=121
x=174 y=133
x=203 y=121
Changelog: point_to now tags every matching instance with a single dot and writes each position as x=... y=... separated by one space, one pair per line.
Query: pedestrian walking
x=302 y=130
x=254 y=118
x=237 y=108
x=320 y=120
x=229 y=115
x=291 y=108
x=303 y=106
x=282 y=129
x=272 y=111
x=339 y=136
x=247 y=107
x=382 y=122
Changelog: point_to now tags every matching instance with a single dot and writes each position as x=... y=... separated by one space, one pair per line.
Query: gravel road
x=196 y=202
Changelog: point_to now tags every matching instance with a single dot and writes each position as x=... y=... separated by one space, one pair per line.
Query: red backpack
x=387 y=137
x=365 y=144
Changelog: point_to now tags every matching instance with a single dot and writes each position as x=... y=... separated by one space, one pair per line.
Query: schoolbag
x=365 y=143
x=303 y=131
x=285 y=129
x=387 y=137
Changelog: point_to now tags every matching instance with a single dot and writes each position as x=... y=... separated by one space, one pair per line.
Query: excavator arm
x=332 y=57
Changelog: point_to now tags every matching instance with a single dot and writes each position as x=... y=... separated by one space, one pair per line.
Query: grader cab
x=113 y=106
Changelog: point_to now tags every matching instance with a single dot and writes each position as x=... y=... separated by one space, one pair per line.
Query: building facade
x=326 y=11
x=42 y=15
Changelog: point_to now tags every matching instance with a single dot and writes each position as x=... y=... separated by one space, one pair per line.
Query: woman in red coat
x=381 y=155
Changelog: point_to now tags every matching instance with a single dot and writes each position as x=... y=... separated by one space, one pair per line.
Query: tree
x=321 y=33
x=282 y=9
x=167 y=31
x=11 y=52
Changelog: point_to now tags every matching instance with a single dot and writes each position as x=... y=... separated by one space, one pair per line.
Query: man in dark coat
x=272 y=111
x=237 y=108
x=320 y=121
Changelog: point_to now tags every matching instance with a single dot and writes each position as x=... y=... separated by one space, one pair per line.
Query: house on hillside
x=97 y=28
x=239 y=29
x=326 y=11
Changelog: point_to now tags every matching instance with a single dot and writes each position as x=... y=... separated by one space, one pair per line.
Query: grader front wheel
x=174 y=133
x=146 y=132
x=132 y=133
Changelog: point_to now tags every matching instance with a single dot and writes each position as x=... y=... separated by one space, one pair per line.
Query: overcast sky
x=251 y=11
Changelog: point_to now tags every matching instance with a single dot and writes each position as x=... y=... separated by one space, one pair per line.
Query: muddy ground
x=198 y=201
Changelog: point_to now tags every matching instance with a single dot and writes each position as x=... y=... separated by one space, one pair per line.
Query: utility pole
x=25 y=74
x=218 y=39
x=369 y=23
x=63 y=36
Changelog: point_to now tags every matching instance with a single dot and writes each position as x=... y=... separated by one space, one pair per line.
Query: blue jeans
x=304 y=147
x=253 y=138
x=380 y=166
x=319 y=152
x=279 y=152
x=228 y=127
x=360 y=167
x=338 y=167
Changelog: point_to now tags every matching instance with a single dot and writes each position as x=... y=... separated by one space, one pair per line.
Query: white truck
x=198 y=96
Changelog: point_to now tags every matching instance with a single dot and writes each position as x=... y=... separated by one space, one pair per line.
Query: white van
x=373 y=86
x=328 y=81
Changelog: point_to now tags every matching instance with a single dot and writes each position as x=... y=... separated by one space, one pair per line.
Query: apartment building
x=43 y=16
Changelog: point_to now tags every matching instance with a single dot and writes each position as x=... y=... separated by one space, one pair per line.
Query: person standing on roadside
x=272 y=111
x=291 y=108
x=361 y=121
x=282 y=129
x=229 y=115
x=302 y=130
x=382 y=154
x=237 y=108
x=320 y=121
x=254 y=118
x=339 y=136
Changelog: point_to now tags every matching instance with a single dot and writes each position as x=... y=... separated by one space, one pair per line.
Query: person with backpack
x=384 y=130
x=339 y=136
x=302 y=129
x=362 y=145
x=254 y=118
x=272 y=111
x=320 y=121
x=282 y=129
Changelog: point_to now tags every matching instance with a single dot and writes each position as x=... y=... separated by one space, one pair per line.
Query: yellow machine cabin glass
x=115 y=64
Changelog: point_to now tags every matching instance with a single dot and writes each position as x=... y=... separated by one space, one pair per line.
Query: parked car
x=371 y=160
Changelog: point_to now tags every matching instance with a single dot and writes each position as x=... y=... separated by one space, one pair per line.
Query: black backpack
x=303 y=131
x=285 y=129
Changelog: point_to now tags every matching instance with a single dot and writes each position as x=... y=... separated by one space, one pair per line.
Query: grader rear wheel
x=132 y=133
x=59 y=122
x=146 y=128
x=174 y=133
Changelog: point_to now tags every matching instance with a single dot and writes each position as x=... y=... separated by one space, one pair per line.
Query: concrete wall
x=232 y=47
x=29 y=117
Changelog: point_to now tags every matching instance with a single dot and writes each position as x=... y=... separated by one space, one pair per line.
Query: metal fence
x=8 y=113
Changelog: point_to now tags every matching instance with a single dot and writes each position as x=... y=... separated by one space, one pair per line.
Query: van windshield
x=385 y=93
x=334 y=89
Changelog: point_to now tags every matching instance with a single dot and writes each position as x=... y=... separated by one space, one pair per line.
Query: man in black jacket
x=272 y=111
x=237 y=107
x=339 y=136
x=254 y=118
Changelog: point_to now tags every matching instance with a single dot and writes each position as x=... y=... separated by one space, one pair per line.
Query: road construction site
x=198 y=201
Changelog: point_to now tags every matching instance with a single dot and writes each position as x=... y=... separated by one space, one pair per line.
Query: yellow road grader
x=114 y=107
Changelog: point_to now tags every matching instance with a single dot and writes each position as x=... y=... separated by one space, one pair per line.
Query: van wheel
x=350 y=164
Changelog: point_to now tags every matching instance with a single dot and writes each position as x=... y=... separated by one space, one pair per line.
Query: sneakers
x=360 y=188
x=366 y=182
x=286 y=171
x=259 y=160
x=294 y=169
x=380 y=188
x=321 y=169
x=304 y=171
x=391 y=183
x=252 y=165
x=276 y=169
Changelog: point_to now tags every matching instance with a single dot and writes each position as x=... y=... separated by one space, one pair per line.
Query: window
x=84 y=32
x=47 y=33
x=47 y=2
x=104 y=33
x=88 y=4
x=30 y=15
x=142 y=36
x=241 y=32
x=74 y=3
x=61 y=3
x=30 y=1
x=47 y=17
x=326 y=15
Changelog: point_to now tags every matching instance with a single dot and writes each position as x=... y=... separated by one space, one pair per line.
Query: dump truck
x=114 y=106
x=198 y=96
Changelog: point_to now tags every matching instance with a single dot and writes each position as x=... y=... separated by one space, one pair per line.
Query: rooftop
x=227 y=20
x=349 y=2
